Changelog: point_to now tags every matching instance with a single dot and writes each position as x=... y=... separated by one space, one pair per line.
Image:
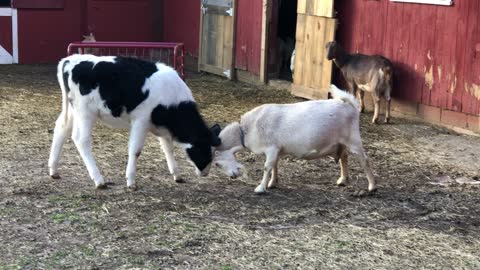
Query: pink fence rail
x=172 y=54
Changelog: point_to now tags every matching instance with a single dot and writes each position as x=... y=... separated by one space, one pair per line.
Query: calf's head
x=201 y=153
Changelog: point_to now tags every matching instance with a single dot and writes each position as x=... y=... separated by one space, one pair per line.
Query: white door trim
x=5 y=56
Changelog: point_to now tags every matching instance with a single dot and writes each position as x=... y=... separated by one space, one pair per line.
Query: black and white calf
x=133 y=94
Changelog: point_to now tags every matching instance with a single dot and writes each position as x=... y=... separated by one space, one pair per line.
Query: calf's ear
x=215 y=129
x=216 y=141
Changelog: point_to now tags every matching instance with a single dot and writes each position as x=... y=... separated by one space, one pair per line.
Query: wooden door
x=315 y=27
x=217 y=35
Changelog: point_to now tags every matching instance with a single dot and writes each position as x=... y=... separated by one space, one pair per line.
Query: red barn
x=434 y=44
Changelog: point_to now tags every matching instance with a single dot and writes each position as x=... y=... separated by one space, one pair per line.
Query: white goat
x=306 y=130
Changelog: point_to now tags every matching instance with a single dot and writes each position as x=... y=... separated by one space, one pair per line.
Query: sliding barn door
x=315 y=27
x=217 y=36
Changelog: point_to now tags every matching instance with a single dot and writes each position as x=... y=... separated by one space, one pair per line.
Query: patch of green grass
x=87 y=251
x=64 y=217
x=59 y=255
x=136 y=259
x=341 y=244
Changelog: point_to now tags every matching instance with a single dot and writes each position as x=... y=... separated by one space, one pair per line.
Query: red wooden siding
x=248 y=35
x=6 y=33
x=181 y=23
x=435 y=49
x=45 y=33
x=120 y=20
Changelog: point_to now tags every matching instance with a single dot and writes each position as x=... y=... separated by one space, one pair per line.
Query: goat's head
x=201 y=153
x=227 y=162
x=332 y=48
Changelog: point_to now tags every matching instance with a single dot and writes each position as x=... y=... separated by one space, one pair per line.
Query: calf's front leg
x=138 y=133
x=270 y=162
x=167 y=146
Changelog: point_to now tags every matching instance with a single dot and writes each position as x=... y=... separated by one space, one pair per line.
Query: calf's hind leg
x=82 y=137
x=61 y=132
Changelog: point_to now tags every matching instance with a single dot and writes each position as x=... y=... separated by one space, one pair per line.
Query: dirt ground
x=218 y=223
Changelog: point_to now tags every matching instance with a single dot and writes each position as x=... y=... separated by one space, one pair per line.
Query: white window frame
x=5 y=57
x=431 y=2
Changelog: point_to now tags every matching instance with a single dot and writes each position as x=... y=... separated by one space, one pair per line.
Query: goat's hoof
x=372 y=189
x=374 y=121
x=387 y=120
x=55 y=176
x=260 y=190
x=101 y=186
x=272 y=185
x=341 y=182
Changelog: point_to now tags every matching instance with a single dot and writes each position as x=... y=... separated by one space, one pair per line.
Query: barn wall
x=248 y=35
x=44 y=34
x=181 y=23
x=435 y=49
x=121 y=20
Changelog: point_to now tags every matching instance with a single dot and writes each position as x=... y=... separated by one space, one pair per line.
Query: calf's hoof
x=374 y=121
x=260 y=190
x=132 y=187
x=101 y=186
x=179 y=180
x=55 y=176
x=387 y=120
x=372 y=188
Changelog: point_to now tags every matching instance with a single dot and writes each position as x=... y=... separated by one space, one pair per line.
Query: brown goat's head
x=332 y=49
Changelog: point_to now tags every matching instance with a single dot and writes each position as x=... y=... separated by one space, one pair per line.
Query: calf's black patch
x=120 y=83
x=187 y=126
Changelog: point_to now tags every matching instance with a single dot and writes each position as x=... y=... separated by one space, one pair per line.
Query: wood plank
x=265 y=30
x=299 y=49
x=472 y=93
x=212 y=69
x=457 y=87
x=309 y=93
x=328 y=65
x=211 y=39
x=221 y=31
x=302 y=6
x=307 y=60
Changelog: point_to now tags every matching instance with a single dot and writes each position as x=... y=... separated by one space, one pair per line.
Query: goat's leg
x=274 y=179
x=61 y=132
x=167 y=146
x=82 y=137
x=361 y=95
x=359 y=153
x=271 y=160
x=388 y=100
x=343 y=169
x=376 y=102
x=138 y=133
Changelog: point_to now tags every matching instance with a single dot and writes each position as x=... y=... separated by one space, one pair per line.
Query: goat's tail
x=63 y=82
x=343 y=96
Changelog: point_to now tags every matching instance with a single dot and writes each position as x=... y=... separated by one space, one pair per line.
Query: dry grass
x=217 y=223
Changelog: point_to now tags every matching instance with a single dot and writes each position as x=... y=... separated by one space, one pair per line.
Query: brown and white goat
x=370 y=73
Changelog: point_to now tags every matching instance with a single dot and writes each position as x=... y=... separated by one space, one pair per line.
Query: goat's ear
x=216 y=129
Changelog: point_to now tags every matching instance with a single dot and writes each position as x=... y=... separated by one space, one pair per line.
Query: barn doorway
x=282 y=39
